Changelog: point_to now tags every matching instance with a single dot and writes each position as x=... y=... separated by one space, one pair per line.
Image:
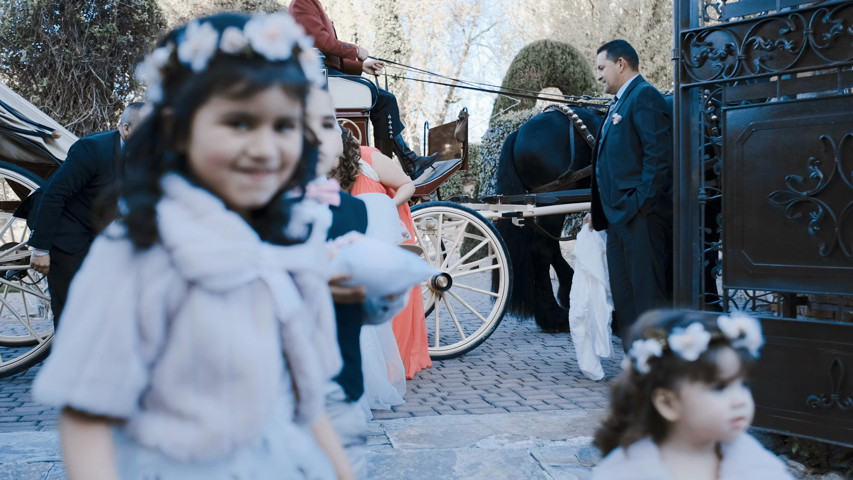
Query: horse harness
x=569 y=176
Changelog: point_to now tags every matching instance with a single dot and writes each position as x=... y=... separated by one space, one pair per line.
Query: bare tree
x=75 y=59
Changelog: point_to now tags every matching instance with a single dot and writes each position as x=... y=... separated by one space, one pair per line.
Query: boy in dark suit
x=632 y=185
x=64 y=226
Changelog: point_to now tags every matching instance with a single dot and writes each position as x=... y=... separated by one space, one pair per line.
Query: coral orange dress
x=410 y=324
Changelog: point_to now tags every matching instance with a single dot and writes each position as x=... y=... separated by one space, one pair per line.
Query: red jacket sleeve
x=313 y=19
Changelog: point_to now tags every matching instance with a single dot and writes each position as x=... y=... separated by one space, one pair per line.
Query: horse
x=548 y=152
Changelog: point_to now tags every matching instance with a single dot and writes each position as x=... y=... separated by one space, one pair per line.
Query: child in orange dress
x=367 y=170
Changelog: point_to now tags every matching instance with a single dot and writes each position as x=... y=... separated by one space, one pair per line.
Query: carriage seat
x=350 y=92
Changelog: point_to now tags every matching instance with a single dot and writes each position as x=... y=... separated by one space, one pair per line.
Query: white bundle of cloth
x=591 y=308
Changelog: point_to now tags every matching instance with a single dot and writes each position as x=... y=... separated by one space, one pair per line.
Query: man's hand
x=372 y=67
x=344 y=294
x=40 y=264
x=362 y=53
x=587 y=220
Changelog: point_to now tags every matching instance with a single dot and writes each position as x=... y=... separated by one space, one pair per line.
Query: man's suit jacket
x=64 y=216
x=632 y=161
x=340 y=55
x=349 y=216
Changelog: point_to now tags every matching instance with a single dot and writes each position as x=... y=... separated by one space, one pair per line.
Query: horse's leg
x=549 y=315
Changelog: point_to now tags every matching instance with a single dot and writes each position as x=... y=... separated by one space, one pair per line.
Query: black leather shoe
x=413 y=164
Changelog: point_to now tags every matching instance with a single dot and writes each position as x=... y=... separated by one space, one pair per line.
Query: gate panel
x=788 y=208
x=764 y=193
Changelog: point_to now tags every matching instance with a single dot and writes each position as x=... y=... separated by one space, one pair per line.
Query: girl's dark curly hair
x=348 y=169
x=631 y=415
x=152 y=150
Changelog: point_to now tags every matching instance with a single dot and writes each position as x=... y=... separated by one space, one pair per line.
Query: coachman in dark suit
x=64 y=225
x=632 y=186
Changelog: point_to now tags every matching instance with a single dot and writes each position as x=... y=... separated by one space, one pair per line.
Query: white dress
x=742 y=459
x=382 y=366
x=591 y=307
x=196 y=344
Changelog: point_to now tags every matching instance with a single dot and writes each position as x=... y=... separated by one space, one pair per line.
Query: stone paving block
x=473 y=464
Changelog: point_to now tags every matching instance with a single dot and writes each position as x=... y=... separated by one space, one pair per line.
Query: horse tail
x=517 y=239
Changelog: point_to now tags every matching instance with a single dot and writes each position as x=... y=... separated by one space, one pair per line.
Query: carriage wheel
x=26 y=320
x=463 y=304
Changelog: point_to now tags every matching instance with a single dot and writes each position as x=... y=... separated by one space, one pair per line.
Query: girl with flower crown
x=680 y=409
x=210 y=355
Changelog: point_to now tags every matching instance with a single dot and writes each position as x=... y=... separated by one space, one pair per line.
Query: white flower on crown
x=642 y=350
x=743 y=330
x=688 y=343
x=198 y=45
x=150 y=72
x=273 y=35
x=232 y=41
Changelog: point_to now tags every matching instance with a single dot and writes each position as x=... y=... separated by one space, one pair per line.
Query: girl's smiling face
x=243 y=150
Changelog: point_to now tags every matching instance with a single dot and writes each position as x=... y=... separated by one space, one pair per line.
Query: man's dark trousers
x=63 y=267
x=642 y=283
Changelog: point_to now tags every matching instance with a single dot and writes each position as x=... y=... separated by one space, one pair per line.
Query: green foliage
x=178 y=12
x=819 y=456
x=543 y=64
x=816 y=457
x=464 y=182
x=75 y=59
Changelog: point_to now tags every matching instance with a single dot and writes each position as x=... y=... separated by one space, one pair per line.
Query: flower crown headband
x=689 y=343
x=271 y=36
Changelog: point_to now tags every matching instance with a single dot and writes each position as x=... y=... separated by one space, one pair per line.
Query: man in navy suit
x=632 y=186
x=64 y=226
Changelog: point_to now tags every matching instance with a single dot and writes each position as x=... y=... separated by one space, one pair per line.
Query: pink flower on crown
x=743 y=330
x=273 y=35
x=198 y=45
x=615 y=119
x=688 y=343
x=232 y=41
x=642 y=351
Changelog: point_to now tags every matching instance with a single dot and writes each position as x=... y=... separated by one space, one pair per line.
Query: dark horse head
x=548 y=152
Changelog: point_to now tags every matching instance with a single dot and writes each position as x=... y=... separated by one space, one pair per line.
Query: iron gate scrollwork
x=764 y=193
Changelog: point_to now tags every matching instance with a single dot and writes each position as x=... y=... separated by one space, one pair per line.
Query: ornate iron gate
x=764 y=190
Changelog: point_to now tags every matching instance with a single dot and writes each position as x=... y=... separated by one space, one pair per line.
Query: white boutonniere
x=615 y=119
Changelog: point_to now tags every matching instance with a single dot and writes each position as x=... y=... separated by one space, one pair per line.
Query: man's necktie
x=612 y=104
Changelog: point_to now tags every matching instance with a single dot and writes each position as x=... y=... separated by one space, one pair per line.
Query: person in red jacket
x=344 y=58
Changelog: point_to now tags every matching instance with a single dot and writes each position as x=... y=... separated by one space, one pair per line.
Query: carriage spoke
x=455 y=320
x=437 y=305
x=6 y=227
x=455 y=244
x=423 y=243
x=472 y=252
x=38 y=292
x=477 y=290
x=25 y=323
x=477 y=266
x=469 y=307
x=475 y=270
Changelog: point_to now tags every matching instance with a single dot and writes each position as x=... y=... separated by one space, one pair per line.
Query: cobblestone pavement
x=515 y=407
x=517 y=369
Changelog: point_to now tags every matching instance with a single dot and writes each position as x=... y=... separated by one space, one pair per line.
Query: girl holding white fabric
x=209 y=356
x=681 y=408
